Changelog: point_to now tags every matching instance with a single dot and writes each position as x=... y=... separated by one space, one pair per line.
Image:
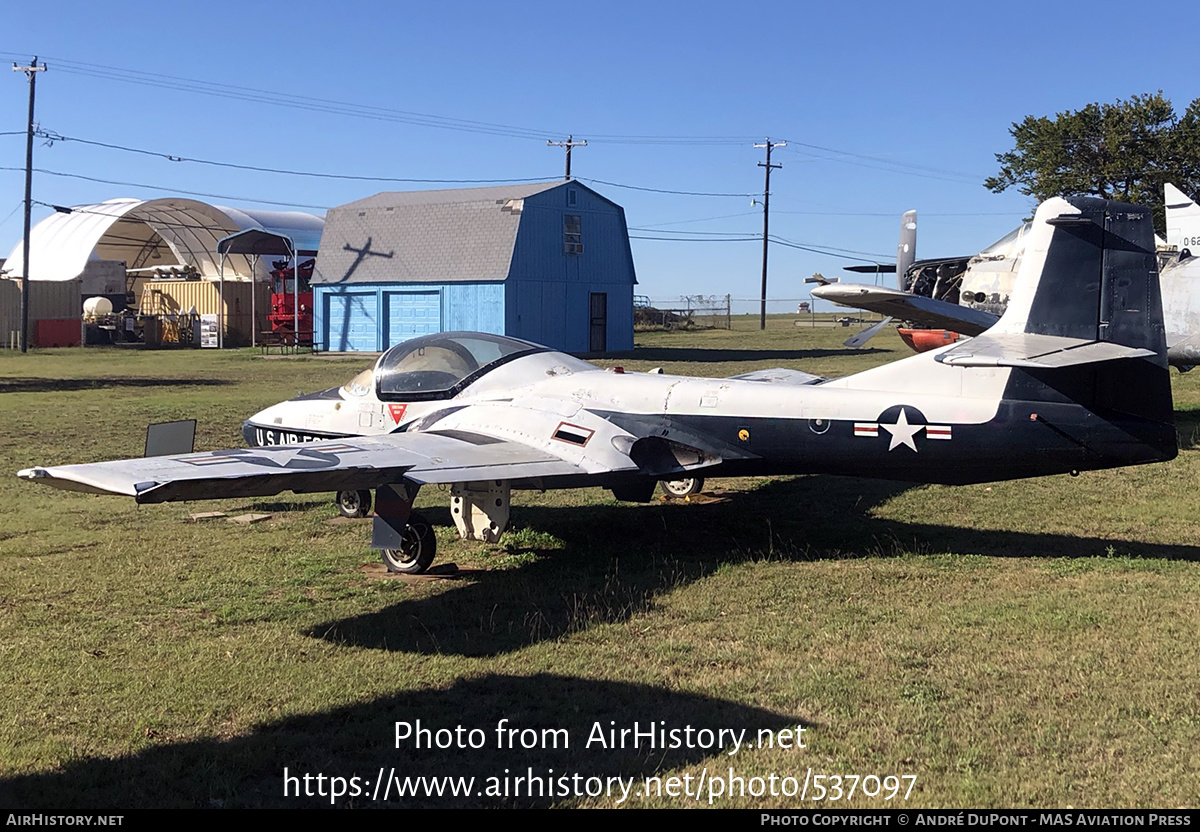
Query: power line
x=927 y=169
x=690 y=234
x=13 y=211
x=897 y=213
x=171 y=190
x=850 y=254
x=657 y=225
x=664 y=190
x=829 y=251
x=732 y=239
x=366 y=111
x=281 y=99
x=676 y=140
x=170 y=157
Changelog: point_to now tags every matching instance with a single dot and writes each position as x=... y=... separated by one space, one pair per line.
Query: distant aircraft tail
x=1183 y=220
x=906 y=249
x=906 y=255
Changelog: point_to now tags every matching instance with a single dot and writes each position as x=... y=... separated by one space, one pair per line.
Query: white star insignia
x=902 y=432
x=284 y=456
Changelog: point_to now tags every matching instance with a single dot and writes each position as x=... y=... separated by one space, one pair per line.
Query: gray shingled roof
x=442 y=197
x=424 y=236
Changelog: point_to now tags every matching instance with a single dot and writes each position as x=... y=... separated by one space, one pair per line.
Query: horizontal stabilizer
x=908 y=307
x=1035 y=351
x=889 y=268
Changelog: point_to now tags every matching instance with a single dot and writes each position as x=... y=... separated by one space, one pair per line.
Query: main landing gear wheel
x=417 y=548
x=682 y=488
x=353 y=503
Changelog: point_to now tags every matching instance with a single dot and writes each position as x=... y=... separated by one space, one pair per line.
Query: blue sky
x=885 y=107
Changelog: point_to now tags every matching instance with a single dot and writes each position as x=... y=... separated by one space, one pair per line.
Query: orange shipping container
x=176 y=297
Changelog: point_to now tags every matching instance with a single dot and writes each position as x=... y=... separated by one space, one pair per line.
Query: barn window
x=572 y=234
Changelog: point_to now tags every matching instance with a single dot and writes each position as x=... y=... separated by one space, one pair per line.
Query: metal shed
x=548 y=262
x=254 y=244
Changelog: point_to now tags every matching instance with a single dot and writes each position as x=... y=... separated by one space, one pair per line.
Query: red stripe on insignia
x=866 y=429
x=937 y=431
x=572 y=434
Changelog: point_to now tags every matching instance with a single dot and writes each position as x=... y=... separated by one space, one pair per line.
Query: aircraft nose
x=248 y=433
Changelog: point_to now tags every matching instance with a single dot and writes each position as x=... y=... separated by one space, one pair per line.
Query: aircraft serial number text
x=270 y=437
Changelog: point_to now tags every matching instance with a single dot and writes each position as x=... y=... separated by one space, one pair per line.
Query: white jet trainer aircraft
x=1073 y=377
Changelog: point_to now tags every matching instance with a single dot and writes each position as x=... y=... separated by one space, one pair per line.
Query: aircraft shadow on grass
x=66 y=385
x=360 y=739
x=617 y=559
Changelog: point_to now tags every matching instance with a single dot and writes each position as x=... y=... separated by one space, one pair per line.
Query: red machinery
x=283 y=316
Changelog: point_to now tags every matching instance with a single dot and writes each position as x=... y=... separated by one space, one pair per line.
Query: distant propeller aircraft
x=1072 y=378
x=967 y=295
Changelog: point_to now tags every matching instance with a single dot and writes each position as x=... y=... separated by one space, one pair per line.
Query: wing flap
x=338 y=465
x=1035 y=351
x=908 y=307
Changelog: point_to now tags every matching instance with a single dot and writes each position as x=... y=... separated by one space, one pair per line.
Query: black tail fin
x=1100 y=275
x=1098 y=286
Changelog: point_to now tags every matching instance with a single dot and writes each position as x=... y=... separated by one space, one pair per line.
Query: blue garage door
x=350 y=322
x=410 y=314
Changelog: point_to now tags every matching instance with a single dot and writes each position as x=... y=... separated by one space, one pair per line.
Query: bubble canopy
x=439 y=366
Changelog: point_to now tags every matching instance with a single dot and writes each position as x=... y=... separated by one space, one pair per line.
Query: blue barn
x=547 y=262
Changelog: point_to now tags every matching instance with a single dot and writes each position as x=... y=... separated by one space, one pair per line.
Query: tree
x=1123 y=151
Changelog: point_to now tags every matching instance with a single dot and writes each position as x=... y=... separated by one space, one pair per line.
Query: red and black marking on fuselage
x=572 y=434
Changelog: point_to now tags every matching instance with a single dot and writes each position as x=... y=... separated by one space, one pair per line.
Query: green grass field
x=1021 y=644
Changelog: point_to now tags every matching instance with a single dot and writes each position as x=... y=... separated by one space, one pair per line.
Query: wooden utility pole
x=762 y=312
x=31 y=72
x=568 y=144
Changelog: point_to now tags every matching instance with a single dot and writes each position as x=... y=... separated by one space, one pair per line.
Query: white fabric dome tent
x=146 y=234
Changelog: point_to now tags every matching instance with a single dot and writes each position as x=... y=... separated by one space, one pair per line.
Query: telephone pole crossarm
x=568 y=144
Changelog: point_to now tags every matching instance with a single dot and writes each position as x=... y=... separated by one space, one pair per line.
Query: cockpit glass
x=360 y=385
x=1009 y=245
x=433 y=366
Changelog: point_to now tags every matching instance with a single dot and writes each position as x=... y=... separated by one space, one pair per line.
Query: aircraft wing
x=336 y=465
x=1034 y=351
x=908 y=307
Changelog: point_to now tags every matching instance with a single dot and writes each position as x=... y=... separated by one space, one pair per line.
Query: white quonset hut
x=547 y=262
x=145 y=235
